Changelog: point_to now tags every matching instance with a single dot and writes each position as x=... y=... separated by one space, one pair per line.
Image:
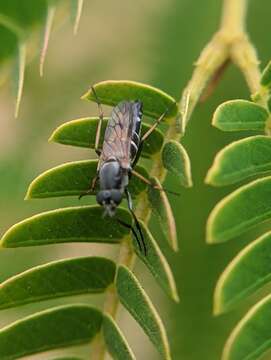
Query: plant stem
x=229 y=42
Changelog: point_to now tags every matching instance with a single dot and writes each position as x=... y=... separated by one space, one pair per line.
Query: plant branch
x=230 y=42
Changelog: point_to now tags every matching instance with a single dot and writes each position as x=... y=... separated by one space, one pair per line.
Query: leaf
x=116 y=344
x=73 y=224
x=136 y=301
x=248 y=272
x=57 y=327
x=157 y=264
x=74 y=178
x=155 y=101
x=238 y=212
x=82 y=132
x=251 y=338
x=47 y=31
x=235 y=115
x=176 y=161
x=241 y=159
x=56 y=279
x=162 y=210
x=266 y=75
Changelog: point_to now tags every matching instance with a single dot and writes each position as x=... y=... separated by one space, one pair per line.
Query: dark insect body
x=120 y=152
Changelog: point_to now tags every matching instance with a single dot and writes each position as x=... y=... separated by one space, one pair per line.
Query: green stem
x=229 y=42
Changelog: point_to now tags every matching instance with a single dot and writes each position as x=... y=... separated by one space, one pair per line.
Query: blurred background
x=155 y=42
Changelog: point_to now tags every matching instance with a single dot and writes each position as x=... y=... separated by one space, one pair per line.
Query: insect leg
x=130 y=207
x=148 y=182
x=101 y=117
x=90 y=191
x=133 y=231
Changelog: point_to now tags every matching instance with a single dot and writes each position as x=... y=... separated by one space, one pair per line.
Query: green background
x=155 y=42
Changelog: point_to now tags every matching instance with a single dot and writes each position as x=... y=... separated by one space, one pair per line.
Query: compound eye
x=116 y=196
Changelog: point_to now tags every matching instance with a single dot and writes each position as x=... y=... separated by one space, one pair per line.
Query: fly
x=118 y=156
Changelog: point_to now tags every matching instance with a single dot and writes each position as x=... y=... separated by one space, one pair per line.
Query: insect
x=118 y=156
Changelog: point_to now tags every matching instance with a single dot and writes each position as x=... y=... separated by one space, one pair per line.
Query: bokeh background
x=156 y=42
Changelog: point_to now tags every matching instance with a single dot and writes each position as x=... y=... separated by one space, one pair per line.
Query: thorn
x=47 y=30
x=78 y=16
x=20 y=70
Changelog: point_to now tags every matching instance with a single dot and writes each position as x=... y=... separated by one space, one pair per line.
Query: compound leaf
x=136 y=301
x=237 y=115
x=155 y=101
x=61 y=326
x=73 y=224
x=241 y=159
x=162 y=209
x=56 y=279
x=73 y=179
x=246 y=207
x=82 y=132
x=176 y=161
x=249 y=271
x=116 y=343
x=251 y=338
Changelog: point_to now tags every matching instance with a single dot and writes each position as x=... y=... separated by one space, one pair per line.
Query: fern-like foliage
x=244 y=208
x=19 y=21
x=71 y=324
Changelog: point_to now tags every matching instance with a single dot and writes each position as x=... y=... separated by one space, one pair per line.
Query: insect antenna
x=133 y=231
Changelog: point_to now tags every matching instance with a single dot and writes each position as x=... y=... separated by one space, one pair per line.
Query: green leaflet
x=74 y=224
x=249 y=271
x=161 y=207
x=57 y=327
x=251 y=337
x=157 y=264
x=241 y=159
x=176 y=161
x=73 y=179
x=56 y=279
x=82 y=132
x=116 y=344
x=136 y=301
x=244 y=208
x=237 y=115
x=155 y=101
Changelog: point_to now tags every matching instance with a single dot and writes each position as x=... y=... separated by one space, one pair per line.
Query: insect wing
x=124 y=123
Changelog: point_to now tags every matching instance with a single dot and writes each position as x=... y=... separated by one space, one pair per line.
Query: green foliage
x=241 y=159
x=52 y=280
x=86 y=224
x=176 y=161
x=115 y=341
x=74 y=224
x=136 y=301
x=251 y=337
x=244 y=208
x=248 y=272
x=60 y=326
x=155 y=101
x=237 y=115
